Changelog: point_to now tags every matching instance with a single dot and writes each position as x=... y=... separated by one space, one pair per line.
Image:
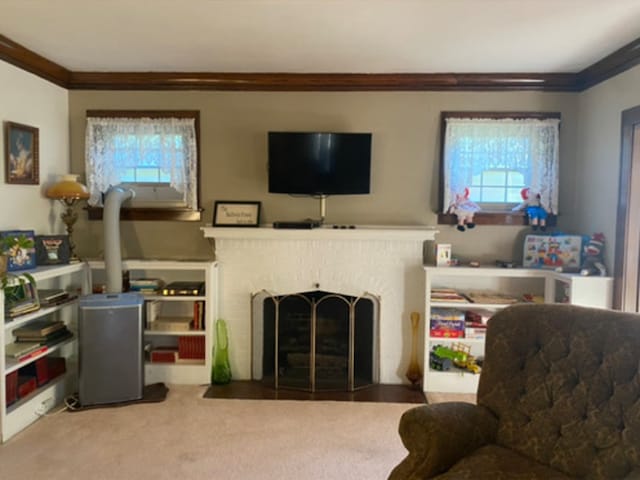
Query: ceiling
x=322 y=36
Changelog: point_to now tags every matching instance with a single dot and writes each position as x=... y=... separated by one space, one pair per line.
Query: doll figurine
x=593 y=263
x=532 y=205
x=464 y=209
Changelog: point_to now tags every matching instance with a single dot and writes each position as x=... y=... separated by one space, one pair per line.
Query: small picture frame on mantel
x=236 y=214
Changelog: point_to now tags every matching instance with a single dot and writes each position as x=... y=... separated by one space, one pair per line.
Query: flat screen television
x=318 y=163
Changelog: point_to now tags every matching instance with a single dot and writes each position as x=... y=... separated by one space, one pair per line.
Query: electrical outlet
x=44 y=406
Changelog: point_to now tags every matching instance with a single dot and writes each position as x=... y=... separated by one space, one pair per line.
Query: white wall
x=30 y=100
x=597 y=167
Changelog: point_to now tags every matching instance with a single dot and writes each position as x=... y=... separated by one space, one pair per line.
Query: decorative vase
x=220 y=368
x=414 y=373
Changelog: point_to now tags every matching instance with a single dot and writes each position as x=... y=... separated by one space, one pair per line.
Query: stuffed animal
x=464 y=209
x=593 y=263
x=532 y=205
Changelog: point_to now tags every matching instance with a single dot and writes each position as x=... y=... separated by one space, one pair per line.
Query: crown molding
x=318 y=81
x=15 y=54
x=619 y=61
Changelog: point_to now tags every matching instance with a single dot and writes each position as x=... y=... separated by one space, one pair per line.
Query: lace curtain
x=114 y=145
x=530 y=146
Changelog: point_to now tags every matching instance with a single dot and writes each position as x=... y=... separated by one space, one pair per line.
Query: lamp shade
x=68 y=187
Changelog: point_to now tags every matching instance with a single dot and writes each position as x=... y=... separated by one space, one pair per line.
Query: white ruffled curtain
x=472 y=145
x=115 y=144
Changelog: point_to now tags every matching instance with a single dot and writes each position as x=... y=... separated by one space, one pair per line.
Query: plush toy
x=593 y=263
x=464 y=209
x=532 y=205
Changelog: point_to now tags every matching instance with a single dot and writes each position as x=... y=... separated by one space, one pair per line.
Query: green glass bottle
x=220 y=368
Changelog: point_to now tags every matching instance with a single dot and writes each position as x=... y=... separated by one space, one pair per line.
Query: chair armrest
x=439 y=435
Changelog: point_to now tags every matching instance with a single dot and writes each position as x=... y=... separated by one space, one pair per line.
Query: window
x=153 y=153
x=491 y=158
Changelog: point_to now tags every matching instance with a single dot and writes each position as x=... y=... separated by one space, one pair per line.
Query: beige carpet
x=189 y=437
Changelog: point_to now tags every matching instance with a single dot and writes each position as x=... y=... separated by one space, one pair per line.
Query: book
x=171 y=324
x=33 y=354
x=49 y=294
x=39 y=328
x=49 y=339
x=17 y=350
x=184 y=288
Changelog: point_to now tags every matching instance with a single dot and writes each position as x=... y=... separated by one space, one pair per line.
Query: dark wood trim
x=517 y=219
x=626 y=269
x=15 y=54
x=156 y=214
x=619 y=61
x=319 y=81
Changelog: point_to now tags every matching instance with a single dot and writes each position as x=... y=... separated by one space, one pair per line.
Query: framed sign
x=52 y=249
x=21 y=154
x=236 y=214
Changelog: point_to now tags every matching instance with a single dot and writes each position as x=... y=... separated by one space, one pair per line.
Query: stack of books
x=19 y=352
x=447 y=295
x=146 y=286
x=43 y=332
x=50 y=297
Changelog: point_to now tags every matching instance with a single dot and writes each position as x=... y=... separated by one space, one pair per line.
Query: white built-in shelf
x=13 y=365
x=176 y=333
x=15 y=322
x=360 y=232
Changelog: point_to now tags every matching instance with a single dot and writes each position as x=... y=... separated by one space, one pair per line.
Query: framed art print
x=21 y=154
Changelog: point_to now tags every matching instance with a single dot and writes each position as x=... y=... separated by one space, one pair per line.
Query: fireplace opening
x=318 y=340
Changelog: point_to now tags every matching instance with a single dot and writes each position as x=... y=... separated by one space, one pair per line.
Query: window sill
x=494 y=218
x=158 y=214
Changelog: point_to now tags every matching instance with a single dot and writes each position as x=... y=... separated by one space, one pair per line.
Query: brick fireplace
x=384 y=262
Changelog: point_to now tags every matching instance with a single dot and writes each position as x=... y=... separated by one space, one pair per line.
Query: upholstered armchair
x=559 y=397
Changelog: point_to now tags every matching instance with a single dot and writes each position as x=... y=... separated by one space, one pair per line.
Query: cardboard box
x=446 y=323
x=553 y=251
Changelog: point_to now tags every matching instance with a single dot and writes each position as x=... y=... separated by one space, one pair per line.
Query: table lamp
x=69 y=191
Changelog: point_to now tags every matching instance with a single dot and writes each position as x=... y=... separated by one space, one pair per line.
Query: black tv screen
x=319 y=163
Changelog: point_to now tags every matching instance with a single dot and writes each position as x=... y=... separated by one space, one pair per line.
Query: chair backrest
x=564 y=382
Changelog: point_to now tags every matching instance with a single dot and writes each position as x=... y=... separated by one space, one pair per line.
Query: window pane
x=513 y=195
x=516 y=179
x=128 y=175
x=494 y=178
x=493 y=194
x=146 y=175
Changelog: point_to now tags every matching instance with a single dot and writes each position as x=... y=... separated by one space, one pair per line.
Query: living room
x=405 y=127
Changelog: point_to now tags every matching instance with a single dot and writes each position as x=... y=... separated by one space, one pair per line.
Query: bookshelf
x=549 y=286
x=17 y=412
x=191 y=364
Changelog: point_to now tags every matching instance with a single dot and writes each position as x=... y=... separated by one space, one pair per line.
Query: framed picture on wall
x=21 y=154
x=236 y=214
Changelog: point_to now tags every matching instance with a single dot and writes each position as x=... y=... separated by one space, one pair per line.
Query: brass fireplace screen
x=316 y=340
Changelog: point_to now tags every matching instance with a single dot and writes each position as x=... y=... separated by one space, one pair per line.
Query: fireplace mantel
x=384 y=261
x=360 y=232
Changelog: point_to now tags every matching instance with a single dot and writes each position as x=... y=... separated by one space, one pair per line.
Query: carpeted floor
x=191 y=437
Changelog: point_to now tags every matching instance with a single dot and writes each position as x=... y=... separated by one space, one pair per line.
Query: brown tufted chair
x=559 y=397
